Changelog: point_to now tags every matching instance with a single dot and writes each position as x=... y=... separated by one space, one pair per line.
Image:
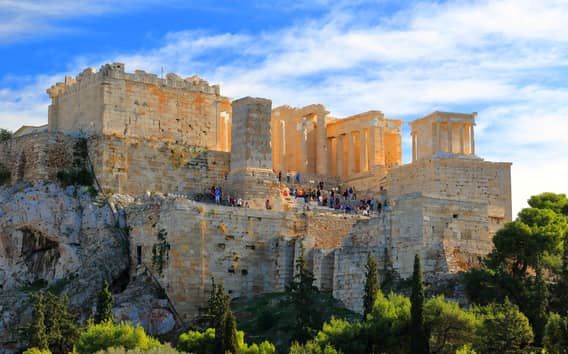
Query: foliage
x=466 y=349
x=75 y=177
x=108 y=334
x=448 y=326
x=5 y=174
x=197 y=341
x=230 y=334
x=371 y=284
x=104 y=305
x=312 y=348
x=555 y=202
x=5 y=135
x=389 y=324
x=301 y=295
x=556 y=334
x=161 y=252
x=503 y=329
x=37 y=351
x=204 y=343
x=558 y=300
x=418 y=338
x=164 y=349
x=59 y=329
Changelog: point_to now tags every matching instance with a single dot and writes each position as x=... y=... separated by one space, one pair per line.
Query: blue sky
x=506 y=60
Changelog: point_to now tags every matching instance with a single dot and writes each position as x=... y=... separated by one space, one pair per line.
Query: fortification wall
x=448 y=234
x=142 y=105
x=459 y=179
x=252 y=251
x=39 y=156
x=136 y=166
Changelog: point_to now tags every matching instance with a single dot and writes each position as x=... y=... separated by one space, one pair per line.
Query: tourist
x=298 y=178
x=267 y=204
x=239 y=202
x=280 y=176
x=218 y=195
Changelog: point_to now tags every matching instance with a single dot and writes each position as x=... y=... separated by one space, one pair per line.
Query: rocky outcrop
x=58 y=239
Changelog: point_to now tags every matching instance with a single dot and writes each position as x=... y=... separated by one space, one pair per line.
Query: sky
x=506 y=60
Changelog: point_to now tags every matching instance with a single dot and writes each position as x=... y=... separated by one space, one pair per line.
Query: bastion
x=158 y=146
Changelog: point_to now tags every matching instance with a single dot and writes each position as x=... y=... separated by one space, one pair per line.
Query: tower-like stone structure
x=251 y=175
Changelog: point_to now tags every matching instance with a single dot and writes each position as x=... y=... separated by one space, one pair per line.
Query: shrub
x=164 y=349
x=107 y=335
x=37 y=351
x=204 y=343
x=556 y=334
x=5 y=135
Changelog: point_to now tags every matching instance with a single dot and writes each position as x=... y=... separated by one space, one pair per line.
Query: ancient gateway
x=158 y=145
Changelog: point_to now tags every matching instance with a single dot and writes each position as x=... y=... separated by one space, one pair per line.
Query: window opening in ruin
x=138 y=255
x=455 y=216
x=251 y=247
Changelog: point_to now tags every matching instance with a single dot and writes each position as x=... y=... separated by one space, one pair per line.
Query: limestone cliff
x=64 y=240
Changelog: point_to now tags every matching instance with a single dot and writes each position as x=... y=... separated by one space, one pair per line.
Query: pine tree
x=302 y=296
x=38 y=331
x=60 y=324
x=104 y=305
x=418 y=338
x=230 y=343
x=371 y=284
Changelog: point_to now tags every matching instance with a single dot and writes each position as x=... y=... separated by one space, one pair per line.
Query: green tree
x=556 y=334
x=449 y=326
x=552 y=201
x=104 y=305
x=418 y=337
x=197 y=342
x=312 y=348
x=38 y=331
x=301 y=295
x=230 y=344
x=388 y=326
x=503 y=329
x=538 y=314
x=558 y=301
x=108 y=335
x=5 y=135
x=371 y=284
x=60 y=328
x=37 y=351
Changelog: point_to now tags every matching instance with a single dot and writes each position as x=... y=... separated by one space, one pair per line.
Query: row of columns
x=465 y=130
x=345 y=145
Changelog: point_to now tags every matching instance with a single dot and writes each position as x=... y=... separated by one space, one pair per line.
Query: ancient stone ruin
x=157 y=146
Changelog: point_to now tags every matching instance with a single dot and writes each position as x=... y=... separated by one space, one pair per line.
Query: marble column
x=283 y=147
x=322 y=163
x=439 y=137
x=472 y=140
x=363 y=160
x=340 y=162
x=351 y=154
x=414 y=157
x=462 y=138
x=450 y=138
x=371 y=143
x=302 y=168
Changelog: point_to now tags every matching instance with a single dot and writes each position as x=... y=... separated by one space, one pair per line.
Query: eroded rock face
x=53 y=238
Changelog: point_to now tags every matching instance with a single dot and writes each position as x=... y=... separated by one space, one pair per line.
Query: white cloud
x=501 y=58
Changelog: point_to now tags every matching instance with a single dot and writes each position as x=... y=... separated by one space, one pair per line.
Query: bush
x=164 y=349
x=556 y=334
x=37 y=351
x=107 y=335
x=204 y=343
x=312 y=348
x=5 y=135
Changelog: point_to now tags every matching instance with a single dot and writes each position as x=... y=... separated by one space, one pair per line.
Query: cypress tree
x=302 y=296
x=230 y=343
x=104 y=305
x=418 y=338
x=38 y=331
x=371 y=284
x=61 y=326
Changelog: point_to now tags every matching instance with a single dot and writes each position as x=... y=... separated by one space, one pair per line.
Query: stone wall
x=141 y=105
x=136 y=166
x=459 y=179
x=36 y=157
x=252 y=251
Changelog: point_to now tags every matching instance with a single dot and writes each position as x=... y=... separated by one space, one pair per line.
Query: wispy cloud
x=501 y=58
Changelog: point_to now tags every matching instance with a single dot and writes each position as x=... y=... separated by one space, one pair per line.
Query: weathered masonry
x=147 y=136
